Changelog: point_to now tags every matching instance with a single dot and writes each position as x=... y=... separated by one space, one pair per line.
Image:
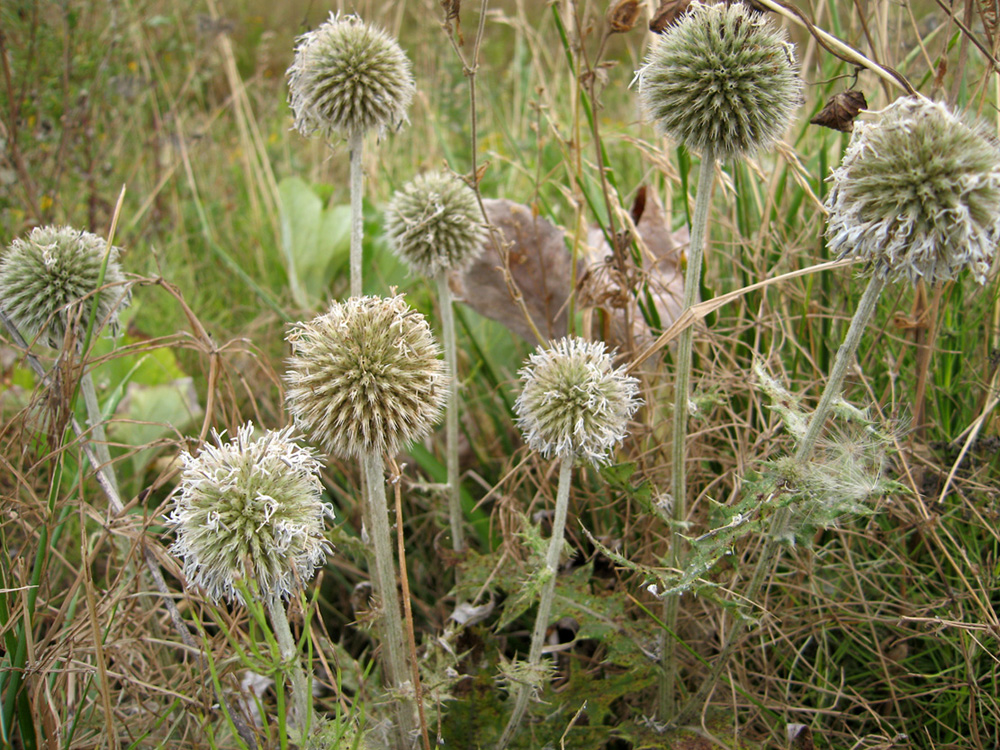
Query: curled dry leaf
x=601 y=288
x=622 y=16
x=539 y=264
x=840 y=111
x=668 y=12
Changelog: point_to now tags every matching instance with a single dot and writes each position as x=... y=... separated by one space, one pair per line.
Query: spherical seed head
x=721 y=76
x=575 y=405
x=434 y=224
x=250 y=509
x=348 y=77
x=43 y=276
x=366 y=377
x=917 y=195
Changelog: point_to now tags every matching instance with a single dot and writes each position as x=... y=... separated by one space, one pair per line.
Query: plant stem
x=301 y=695
x=782 y=517
x=545 y=603
x=98 y=437
x=451 y=414
x=682 y=394
x=355 y=144
x=844 y=355
x=394 y=662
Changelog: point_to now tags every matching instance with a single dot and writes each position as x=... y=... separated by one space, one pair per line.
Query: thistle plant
x=723 y=81
x=575 y=407
x=252 y=511
x=364 y=380
x=348 y=78
x=434 y=225
x=53 y=279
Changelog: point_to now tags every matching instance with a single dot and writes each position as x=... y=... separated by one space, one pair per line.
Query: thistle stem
x=301 y=695
x=782 y=517
x=98 y=436
x=844 y=355
x=355 y=144
x=682 y=395
x=547 y=597
x=394 y=662
x=451 y=414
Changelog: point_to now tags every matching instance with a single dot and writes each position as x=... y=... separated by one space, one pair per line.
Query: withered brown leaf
x=840 y=111
x=668 y=12
x=623 y=15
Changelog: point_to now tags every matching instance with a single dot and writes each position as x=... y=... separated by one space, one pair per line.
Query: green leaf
x=315 y=241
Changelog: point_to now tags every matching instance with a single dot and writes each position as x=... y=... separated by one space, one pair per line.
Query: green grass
x=885 y=625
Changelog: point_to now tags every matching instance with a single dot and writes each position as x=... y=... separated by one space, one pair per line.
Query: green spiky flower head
x=434 y=224
x=366 y=377
x=46 y=275
x=348 y=77
x=723 y=77
x=917 y=194
x=575 y=404
x=250 y=509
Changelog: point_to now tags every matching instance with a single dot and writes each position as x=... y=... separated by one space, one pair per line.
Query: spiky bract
x=575 y=405
x=434 y=223
x=722 y=76
x=43 y=277
x=250 y=509
x=917 y=195
x=348 y=77
x=366 y=377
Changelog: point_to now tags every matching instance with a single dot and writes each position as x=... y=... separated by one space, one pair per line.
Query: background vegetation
x=881 y=633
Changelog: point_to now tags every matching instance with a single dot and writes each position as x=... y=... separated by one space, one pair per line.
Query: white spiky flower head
x=575 y=404
x=45 y=275
x=917 y=195
x=348 y=77
x=434 y=223
x=250 y=509
x=366 y=377
x=721 y=76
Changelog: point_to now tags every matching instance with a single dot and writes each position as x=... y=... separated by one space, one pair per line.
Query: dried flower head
x=250 y=509
x=574 y=403
x=45 y=275
x=917 y=194
x=366 y=377
x=348 y=77
x=721 y=76
x=434 y=223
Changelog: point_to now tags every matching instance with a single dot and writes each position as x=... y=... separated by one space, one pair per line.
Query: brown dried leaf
x=539 y=264
x=840 y=111
x=662 y=250
x=623 y=15
x=668 y=12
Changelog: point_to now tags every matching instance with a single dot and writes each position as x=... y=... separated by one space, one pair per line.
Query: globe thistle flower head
x=348 y=77
x=250 y=509
x=434 y=223
x=366 y=377
x=43 y=276
x=917 y=195
x=721 y=76
x=574 y=404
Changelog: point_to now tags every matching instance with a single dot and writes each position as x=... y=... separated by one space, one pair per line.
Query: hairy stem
x=391 y=626
x=301 y=694
x=682 y=394
x=545 y=603
x=355 y=144
x=451 y=415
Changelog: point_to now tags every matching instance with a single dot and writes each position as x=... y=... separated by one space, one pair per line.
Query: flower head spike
x=721 y=76
x=348 y=77
x=44 y=275
x=250 y=509
x=434 y=223
x=574 y=403
x=917 y=195
x=366 y=377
